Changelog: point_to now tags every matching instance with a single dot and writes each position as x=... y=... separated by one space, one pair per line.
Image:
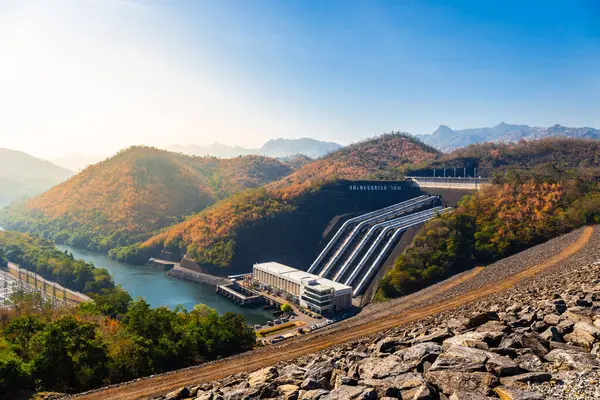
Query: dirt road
x=401 y=313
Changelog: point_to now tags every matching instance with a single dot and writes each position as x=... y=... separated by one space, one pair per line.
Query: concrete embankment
x=196 y=277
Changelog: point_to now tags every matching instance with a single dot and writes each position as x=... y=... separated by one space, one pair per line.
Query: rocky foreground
x=538 y=340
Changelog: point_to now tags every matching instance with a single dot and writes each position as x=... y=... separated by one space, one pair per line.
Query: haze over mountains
x=277 y=148
x=22 y=175
x=447 y=139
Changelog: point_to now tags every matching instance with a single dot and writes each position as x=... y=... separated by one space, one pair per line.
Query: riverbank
x=160 y=289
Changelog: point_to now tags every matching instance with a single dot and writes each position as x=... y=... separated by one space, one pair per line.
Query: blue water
x=159 y=289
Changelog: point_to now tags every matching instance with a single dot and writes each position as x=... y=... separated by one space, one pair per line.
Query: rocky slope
x=539 y=339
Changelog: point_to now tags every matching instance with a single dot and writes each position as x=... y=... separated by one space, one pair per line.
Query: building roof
x=299 y=276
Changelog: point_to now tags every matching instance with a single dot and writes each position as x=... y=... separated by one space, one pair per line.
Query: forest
x=522 y=209
x=110 y=340
x=127 y=197
x=210 y=236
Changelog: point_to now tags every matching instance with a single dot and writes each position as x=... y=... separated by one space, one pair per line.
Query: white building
x=313 y=292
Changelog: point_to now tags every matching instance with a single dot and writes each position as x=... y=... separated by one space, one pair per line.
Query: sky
x=95 y=76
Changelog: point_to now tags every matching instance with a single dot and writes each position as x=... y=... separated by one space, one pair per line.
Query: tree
x=286 y=308
x=3 y=259
x=70 y=356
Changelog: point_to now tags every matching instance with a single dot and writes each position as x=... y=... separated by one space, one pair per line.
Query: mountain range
x=22 y=175
x=447 y=139
x=277 y=148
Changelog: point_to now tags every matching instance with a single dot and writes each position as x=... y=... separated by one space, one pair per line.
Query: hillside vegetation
x=210 y=236
x=110 y=340
x=543 y=189
x=549 y=156
x=125 y=198
x=22 y=175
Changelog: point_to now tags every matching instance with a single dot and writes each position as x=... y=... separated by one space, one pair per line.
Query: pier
x=240 y=295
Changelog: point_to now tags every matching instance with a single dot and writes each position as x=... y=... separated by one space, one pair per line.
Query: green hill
x=134 y=193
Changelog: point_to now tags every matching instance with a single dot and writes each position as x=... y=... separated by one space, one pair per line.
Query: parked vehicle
x=270 y=323
x=277 y=321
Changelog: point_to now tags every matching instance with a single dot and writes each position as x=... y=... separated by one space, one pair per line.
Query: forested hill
x=22 y=175
x=542 y=157
x=134 y=193
x=210 y=236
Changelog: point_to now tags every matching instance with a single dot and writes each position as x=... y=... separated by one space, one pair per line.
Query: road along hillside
x=376 y=324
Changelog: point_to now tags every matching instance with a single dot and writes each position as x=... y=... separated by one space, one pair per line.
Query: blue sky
x=241 y=72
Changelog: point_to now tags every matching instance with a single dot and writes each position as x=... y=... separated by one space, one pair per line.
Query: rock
x=319 y=370
x=310 y=384
x=538 y=345
x=292 y=371
x=551 y=334
x=578 y=314
x=387 y=345
x=481 y=319
x=437 y=336
x=494 y=326
x=461 y=359
x=421 y=353
x=377 y=368
x=351 y=393
x=530 y=362
x=177 y=394
x=289 y=392
x=501 y=365
x=588 y=328
x=460 y=395
x=451 y=381
x=565 y=326
x=552 y=319
x=580 y=338
x=470 y=339
x=312 y=394
x=521 y=381
x=262 y=376
x=423 y=392
x=572 y=360
x=506 y=393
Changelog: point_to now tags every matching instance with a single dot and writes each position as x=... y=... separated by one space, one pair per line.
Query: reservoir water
x=159 y=289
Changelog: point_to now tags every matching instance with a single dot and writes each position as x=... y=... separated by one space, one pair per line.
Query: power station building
x=311 y=291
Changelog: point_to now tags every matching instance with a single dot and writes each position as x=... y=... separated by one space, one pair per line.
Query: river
x=159 y=289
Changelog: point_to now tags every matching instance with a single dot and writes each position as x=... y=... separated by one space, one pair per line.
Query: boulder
x=578 y=314
x=318 y=370
x=388 y=345
x=449 y=381
x=316 y=394
x=552 y=319
x=177 y=394
x=377 y=368
x=507 y=393
x=494 y=326
x=437 y=336
x=529 y=362
x=461 y=359
x=310 y=384
x=481 y=318
x=469 y=339
x=351 y=393
x=537 y=344
x=288 y=392
x=421 y=353
x=572 y=360
x=262 y=376
x=521 y=381
x=588 y=328
x=292 y=371
x=501 y=365
x=580 y=338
